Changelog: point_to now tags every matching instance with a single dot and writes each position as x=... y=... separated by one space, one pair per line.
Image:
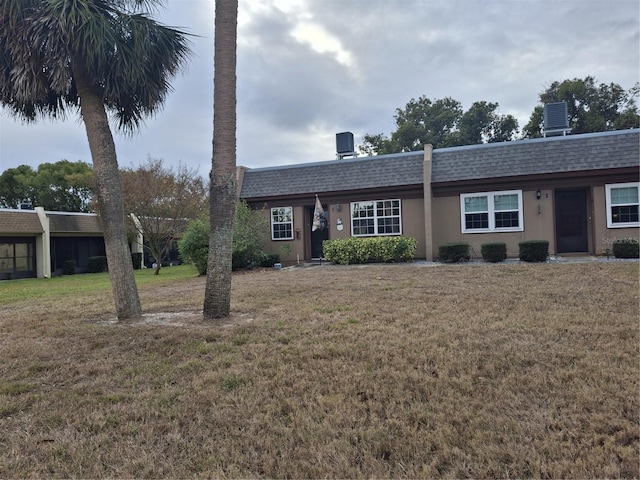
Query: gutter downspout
x=428 y=231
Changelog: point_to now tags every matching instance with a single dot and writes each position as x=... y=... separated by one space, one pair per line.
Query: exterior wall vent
x=344 y=145
x=556 y=119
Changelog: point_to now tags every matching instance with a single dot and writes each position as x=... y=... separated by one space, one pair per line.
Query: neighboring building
x=579 y=192
x=37 y=243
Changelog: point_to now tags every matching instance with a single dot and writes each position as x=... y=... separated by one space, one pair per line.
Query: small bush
x=494 y=252
x=136 y=259
x=627 y=248
x=97 y=264
x=69 y=267
x=270 y=260
x=370 y=249
x=194 y=245
x=454 y=252
x=534 y=250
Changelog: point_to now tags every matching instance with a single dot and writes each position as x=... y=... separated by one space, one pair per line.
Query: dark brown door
x=317 y=236
x=571 y=221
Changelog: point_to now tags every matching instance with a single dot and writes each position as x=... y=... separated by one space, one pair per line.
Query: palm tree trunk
x=109 y=196
x=223 y=194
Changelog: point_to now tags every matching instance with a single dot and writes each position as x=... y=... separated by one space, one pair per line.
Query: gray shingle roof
x=594 y=151
x=334 y=175
x=573 y=153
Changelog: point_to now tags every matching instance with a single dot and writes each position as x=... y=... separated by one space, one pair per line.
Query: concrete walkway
x=551 y=259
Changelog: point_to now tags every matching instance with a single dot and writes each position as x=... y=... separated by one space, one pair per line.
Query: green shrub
x=270 y=260
x=627 y=248
x=97 y=264
x=534 y=250
x=370 y=249
x=454 y=252
x=69 y=267
x=494 y=252
x=136 y=259
x=249 y=229
x=194 y=245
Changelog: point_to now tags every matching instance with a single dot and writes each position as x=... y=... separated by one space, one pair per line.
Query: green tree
x=163 y=201
x=60 y=186
x=95 y=56
x=16 y=186
x=481 y=124
x=223 y=194
x=441 y=123
x=250 y=228
x=591 y=107
x=64 y=186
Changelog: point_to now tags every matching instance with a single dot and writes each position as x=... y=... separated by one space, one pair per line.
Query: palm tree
x=98 y=57
x=223 y=195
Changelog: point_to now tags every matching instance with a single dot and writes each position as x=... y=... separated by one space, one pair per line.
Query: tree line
x=443 y=123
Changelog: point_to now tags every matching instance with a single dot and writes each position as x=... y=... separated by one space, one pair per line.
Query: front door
x=317 y=237
x=571 y=221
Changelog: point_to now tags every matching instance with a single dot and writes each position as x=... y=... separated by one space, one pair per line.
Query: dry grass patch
x=526 y=371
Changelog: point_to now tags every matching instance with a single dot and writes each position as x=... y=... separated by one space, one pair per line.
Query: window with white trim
x=376 y=217
x=282 y=223
x=622 y=204
x=491 y=212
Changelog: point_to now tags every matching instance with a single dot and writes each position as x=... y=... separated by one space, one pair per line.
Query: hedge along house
x=37 y=243
x=579 y=192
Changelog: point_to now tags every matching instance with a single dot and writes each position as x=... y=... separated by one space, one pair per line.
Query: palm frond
x=129 y=56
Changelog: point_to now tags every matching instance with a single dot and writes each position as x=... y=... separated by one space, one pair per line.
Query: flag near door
x=319 y=222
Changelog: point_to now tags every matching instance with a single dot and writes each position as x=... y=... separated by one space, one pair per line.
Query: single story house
x=579 y=192
x=37 y=243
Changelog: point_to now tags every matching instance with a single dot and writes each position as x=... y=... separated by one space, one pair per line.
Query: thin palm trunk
x=223 y=195
x=109 y=196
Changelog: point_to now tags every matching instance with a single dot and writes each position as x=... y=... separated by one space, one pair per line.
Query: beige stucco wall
x=413 y=223
x=290 y=251
x=538 y=221
x=603 y=237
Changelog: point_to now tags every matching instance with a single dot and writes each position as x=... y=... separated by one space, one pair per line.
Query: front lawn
x=477 y=370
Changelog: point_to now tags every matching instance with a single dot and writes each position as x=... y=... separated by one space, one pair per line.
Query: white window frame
x=491 y=211
x=610 y=205
x=375 y=218
x=276 y=213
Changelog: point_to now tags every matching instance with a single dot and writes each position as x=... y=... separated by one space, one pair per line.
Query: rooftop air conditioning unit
x=556 y=119
x=344 y=145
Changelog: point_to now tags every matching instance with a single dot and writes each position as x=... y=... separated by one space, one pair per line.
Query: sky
x=308 y=69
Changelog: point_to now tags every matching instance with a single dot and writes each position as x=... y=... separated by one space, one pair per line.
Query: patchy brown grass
x=527 y=371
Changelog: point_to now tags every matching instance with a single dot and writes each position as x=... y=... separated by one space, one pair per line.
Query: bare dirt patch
x=180 y=319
